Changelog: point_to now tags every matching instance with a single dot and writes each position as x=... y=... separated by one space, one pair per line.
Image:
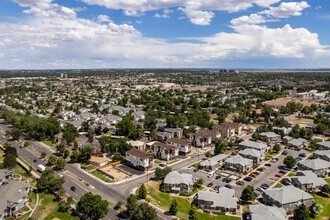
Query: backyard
x=163 y=200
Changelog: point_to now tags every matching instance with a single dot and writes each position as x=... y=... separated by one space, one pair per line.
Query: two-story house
x=199 y=140
x=238 y=164
x=183 y=146
x=163 y=151
x=178 y=182
x=256 y=155
x=140 y=159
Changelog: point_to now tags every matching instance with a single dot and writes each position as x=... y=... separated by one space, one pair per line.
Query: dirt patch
x=283 y=101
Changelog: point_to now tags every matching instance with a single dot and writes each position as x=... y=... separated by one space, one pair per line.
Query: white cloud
x=251 y=19
x=198 y=17
x=103 y=18
x=50 y=40
x=193 y=7
x=79 y=9
x=166 y=14
x=287 y=9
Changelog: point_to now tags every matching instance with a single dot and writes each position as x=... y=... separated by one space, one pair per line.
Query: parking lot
x=265 y=177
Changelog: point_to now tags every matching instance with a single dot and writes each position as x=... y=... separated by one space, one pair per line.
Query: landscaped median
x=164 y=200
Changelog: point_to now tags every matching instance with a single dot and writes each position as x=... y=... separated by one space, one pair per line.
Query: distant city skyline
x=230 y=34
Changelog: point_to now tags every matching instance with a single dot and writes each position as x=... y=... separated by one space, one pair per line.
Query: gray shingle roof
x=225 y=198
x=252 y=152
x=325 y=144
x=214 y=160
x=287 y=194
x=262 y=212
x=175 y=177
x=308 y=177
x=315 y=164
x=253 y=144
x=239 y=160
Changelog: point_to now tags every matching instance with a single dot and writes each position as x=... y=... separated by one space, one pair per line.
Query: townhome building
x=178 y=182
x=140 y=159
x=213 y=162
x=253 y=145
x=13 y=196
x=298 y=143
x=270 y=137
x=256 y=155
x=307 y=181
x=163 y=151
x=238 y=164
x=214 y=134
x=261 y=212
x=322 y=154
x=318 y=166
x=287 y=197
x=183 y=146
x=323 y=145
x=6 y=176
x=224 y=200
x=199 y=140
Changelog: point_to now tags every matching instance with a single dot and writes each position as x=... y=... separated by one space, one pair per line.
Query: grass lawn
x=328 y=181
x=87 y=167
x=196 y=165
x=271 y=153
x=164 y=201
x=49 y=143
x=173 y=161
x=47 y=209
x=158 y=162
x=279 y=185
x=292 y=174
x=2 y=153
x=101 y=176
x=325 y=202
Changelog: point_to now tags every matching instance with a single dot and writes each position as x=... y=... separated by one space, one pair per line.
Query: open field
x=283 y=101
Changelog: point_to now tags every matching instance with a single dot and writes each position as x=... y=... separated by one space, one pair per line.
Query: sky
x=238 y=34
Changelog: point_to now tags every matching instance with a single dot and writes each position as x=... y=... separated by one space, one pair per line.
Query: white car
x=60 y=175
x=189 y=168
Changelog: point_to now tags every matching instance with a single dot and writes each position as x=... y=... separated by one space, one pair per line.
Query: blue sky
x=52 y=34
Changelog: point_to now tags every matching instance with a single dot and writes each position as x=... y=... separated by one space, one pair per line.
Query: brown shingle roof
x=140 y=154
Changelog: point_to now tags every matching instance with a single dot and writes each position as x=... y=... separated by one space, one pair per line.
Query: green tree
x=143 y=191
x=60 y=148
x=193 y=213
x=277 y=148
x=198 y=183
x=60 y=164
x=220 y=146
x=153 y=135
x=255 y=136
x=248 y=193
x=49 y=179
x=66 y=153
x=74 y=156
x=161 y=173
x=147 y=212
x=70 y=133
x=301 y=213
x=9 y=161
x=174 y=207
x=63 y=207
x=52 y=159
x=26 y=144
x=90 y=136
x=85 y=154
x=43 y=155
x=93 y=206
x=208 y=154
x=118 y=205
x=325 y=189
x=15 y=133
x=11 y=150
x=132 y=206
x=289 y=161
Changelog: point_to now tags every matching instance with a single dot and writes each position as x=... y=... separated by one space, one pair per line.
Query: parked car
x=240 y=183
x=261 y=169
x=20 y=147
x=285 y=152
x=228 y=186
x=286 y=168
x=260 y=189
x=216 y=187
x=35 y=160
x=73 y=188
x=278 y=175
x=265 y=185
x=60 y=175
x=253 y=175
x=282 y=171
x=218 y=177
x=273 y=160
x=189 y=168
x=302 y=155
x=226 y=180
x=210 y=184
x=196 y=170
x=256 y=173
x=268 y=164
x=256 y=194
x=248 y=178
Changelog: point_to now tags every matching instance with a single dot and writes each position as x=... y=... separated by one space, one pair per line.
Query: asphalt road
x=112 y=193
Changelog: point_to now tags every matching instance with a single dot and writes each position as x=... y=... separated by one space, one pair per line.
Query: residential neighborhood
x=158 y=140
